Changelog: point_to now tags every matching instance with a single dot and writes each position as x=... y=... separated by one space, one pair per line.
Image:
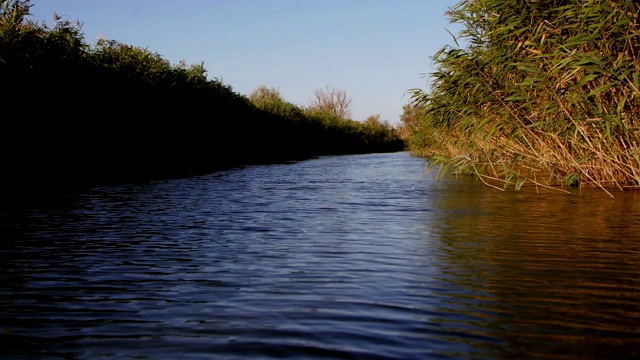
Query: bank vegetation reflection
x=550 y=274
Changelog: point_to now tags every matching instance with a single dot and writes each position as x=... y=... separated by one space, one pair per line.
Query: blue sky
x=375 y=50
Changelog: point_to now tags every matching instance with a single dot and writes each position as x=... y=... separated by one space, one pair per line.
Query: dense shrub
x=79 y=114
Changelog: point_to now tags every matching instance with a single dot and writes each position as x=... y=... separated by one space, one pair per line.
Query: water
x=346 y=257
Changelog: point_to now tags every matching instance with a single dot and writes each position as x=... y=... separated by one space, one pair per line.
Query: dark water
x=349 y=257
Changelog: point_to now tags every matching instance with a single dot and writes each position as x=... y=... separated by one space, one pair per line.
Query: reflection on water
x=562 y=272
x=348 y=257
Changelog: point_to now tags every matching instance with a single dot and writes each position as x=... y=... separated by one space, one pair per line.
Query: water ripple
x=352 y=257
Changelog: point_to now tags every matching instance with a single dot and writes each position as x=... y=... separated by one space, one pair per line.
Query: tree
x=332 y=101
x=410 y=119
x=412 y=114
x=373 y=120
x=264 y=94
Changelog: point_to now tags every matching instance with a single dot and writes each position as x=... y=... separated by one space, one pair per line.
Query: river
x=338 y=257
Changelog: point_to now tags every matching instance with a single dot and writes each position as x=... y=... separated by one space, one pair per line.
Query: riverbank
x=79 y=113
x=534 y=85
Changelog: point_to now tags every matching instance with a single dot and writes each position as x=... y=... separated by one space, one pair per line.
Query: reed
x=542 y=92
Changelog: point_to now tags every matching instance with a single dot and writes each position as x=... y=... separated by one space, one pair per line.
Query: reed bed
x=540 y=92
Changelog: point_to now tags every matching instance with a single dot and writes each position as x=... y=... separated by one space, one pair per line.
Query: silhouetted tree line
x=75 y=114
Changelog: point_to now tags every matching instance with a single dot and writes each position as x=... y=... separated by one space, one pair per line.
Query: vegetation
x=332 y=101
x=76 y=113
x=544 y=92
x=321 y=130
x=412 y=115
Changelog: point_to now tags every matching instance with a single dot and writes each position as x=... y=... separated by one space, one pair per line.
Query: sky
x=374 y=50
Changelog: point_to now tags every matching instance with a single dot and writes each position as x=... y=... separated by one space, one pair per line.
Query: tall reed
x=544 y=92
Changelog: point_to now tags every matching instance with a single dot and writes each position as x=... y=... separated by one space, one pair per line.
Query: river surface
x=341 y=257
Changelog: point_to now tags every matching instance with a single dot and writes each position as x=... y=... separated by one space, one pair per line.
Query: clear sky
x=375 y=50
